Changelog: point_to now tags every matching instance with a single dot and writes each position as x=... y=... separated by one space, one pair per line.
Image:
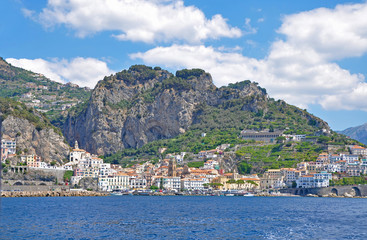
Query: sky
x=310 y=53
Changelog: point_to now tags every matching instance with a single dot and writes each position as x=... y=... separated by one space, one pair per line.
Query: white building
x=210 y=164
x=349 y=158
x=138 y=183
x=169 y=183
x=192 y=184
x=322 y=179
x=10 y=144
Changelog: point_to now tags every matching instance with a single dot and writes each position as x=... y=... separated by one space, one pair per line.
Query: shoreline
x=54 y=194
x=7 y=194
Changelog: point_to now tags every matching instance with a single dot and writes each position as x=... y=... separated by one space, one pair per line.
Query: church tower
x=172 y=168
x=76 y=146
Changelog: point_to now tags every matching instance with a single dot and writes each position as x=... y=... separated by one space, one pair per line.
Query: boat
x=116 y=193
x=248 y=194
x=229 y=194
x=142 y=192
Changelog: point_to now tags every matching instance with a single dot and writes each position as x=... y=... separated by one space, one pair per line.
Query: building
x=211 y=164
x=268 y=182
x=169 y=183
x=172 y=168
x=264 y=136
x=138 y=183
x=321 y=179
x=358 y=150
x=192 y=184
x=10 y=144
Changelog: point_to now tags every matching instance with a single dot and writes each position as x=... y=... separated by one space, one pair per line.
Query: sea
x=183 y=217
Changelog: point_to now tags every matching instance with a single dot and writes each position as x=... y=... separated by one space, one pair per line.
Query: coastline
x=54 y=194
x=7 y=194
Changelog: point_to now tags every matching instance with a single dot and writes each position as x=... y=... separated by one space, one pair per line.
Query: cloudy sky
x=310 y=53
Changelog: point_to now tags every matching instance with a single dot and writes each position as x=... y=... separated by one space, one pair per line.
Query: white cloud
x=248 y=28
x=82 y=71
x=298 y=69
x=332 y=33
x=137 y=20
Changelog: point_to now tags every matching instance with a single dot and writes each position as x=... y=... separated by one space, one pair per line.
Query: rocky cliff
x=141 y=104
x=32 y=132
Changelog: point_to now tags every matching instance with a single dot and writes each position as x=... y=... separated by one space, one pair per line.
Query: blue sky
x=309 y=53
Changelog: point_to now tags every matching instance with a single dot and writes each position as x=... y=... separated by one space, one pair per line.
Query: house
x=211 y=164
x=358 y=150
x=289 y=175
x=354 y=170
x=322 y=159
x=9 y=143
x=349 y=158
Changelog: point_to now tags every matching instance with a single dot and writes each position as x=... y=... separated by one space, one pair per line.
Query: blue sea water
x=183 y=217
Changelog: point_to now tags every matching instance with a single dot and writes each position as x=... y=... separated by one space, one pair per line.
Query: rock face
x=32 y=132
x=45 y=143
x=140 y=105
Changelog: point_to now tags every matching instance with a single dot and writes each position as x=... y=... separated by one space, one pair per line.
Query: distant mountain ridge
x=359 y=133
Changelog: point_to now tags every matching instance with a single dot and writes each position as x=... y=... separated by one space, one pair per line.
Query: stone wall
x=353 y=190
x=34 y=188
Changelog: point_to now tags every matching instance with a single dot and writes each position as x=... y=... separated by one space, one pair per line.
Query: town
x=173 y=174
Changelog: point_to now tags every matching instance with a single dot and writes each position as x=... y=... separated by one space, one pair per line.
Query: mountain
x=33 y=132
x=142 y=105
x=359 y=133
x=39 y=92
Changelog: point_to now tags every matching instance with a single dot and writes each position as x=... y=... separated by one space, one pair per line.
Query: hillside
x=142 y=105
x=359 y=133
x=33 y=132
x=39 y=92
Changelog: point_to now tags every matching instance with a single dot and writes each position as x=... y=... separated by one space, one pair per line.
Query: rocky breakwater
x=55 y=194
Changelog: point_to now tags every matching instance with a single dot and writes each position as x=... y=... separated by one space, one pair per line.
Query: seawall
x=350 y=190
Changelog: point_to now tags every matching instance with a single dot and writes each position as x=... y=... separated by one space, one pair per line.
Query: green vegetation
x=153 y=187
x=196 y=164
x=276 y=155
x=14 y=82
x=189 y=73
x=67 y=175
x=17 y=109
x=349 y=181
x=252 y=182
x=244 y=168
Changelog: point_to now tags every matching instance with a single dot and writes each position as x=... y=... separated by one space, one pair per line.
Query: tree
x=252 y=182
x=280 y=139
x=231 y=181
x=153 y=187
x=244 y=168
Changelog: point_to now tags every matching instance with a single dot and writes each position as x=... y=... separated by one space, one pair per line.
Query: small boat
x=116 y=193
x=248 y=194
x=229 y=194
